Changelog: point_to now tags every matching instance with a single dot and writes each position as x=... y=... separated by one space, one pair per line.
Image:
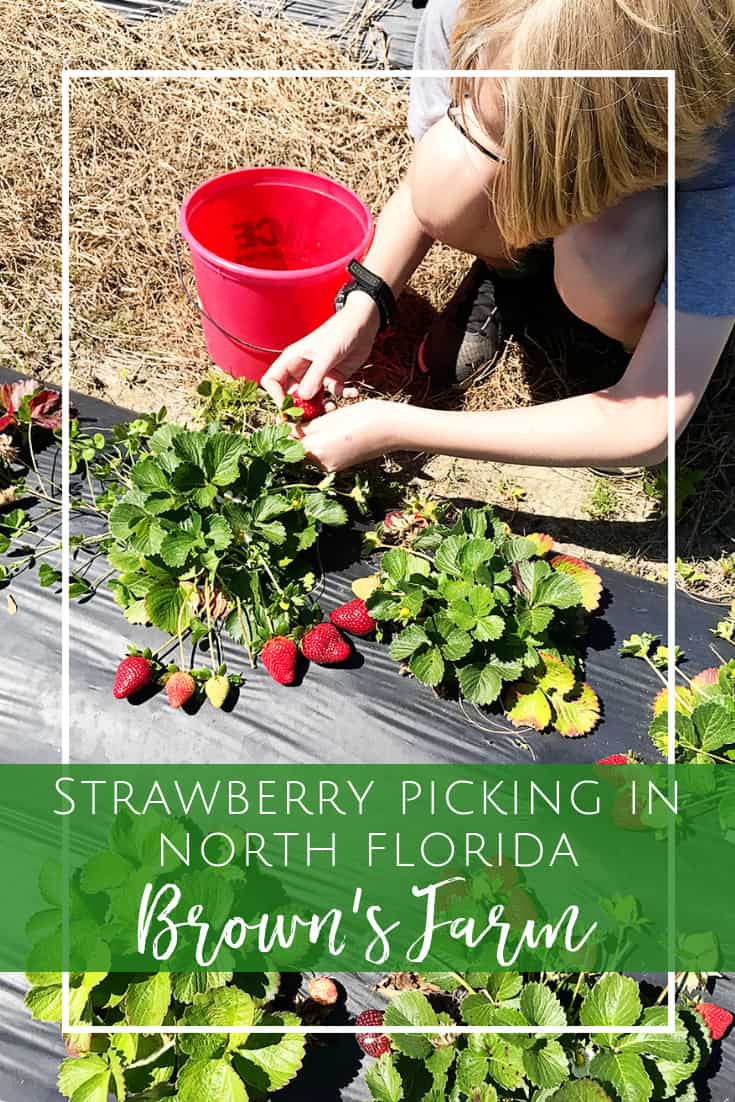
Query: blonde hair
x=576 y=147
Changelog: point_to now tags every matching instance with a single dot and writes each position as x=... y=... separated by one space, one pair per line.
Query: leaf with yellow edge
x=577 y=714
x=541 y=542
x=526 y=706
x=364 y=587
x=684 y=701
x=588 y=580
x=553 y=675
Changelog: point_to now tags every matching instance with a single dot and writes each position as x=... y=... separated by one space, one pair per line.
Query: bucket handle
x=200 y=309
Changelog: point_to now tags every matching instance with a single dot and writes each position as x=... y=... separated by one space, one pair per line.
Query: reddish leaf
x=588 y=580
x=45 y=407
x=542 y=542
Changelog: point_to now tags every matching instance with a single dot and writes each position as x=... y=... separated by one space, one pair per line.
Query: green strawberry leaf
x=613 y=1001
x=546 y=1064
x=472 y=1069
x=408 y=642
x=147 y=1002
x=558 y=591
x=411 y=1008
x=541 y=1007
x=447 y=558
x=200 y=1079
x=384 y=1081
x=505 y=1063
x=457 y=645
x=480 y=684
x=626 y=1074
x=228 y=1007
x=427 y=666
x=267 y=1062
x=95 y=1089
x=663 y=1046
x=322 y=508
x=188 y=984
x=177 y=546
x=474 y=553
x=714 y=726
x=501 y=985
x=582 y=1090
x=222 y=454
x=147 y=475
x=166 y=606
x=77 y=1071
x=477 y=1010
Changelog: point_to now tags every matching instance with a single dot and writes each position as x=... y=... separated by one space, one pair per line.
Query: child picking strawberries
x=502 y=165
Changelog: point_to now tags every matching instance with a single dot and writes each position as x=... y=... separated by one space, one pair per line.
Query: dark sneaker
x=467 y=334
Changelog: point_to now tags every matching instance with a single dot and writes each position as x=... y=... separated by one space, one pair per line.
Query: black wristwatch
x=377 y=288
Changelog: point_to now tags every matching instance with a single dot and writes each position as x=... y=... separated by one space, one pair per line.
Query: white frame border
x=67 y=76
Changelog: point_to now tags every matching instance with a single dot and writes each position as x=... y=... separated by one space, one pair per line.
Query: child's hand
x=329 y=356
x=353 y=434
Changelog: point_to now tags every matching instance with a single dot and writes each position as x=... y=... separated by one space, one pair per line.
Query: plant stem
x=577 y=986
x=709 y=753
x=209 y=623
x=463 y=982
x=32 y=454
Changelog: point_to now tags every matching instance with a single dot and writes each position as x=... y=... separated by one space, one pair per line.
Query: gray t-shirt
x=705 y=205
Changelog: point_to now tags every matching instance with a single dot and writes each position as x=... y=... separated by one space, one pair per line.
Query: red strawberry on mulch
x=716 y=1018
x=133 y=674
x=373 y=1044
x=325 y=646
x=180 y=687
x=353 y=617
x=311 y=407
x=279 y=656
x=616 y=759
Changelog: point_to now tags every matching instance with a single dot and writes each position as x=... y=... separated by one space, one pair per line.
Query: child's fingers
x=282 y=373
x=321 y=367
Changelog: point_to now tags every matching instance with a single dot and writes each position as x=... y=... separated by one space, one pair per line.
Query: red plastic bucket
x=270 y=248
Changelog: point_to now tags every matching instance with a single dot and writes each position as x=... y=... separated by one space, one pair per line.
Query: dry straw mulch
x=138 y=146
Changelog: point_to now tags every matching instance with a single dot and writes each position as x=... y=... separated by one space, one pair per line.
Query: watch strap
x=378 y=290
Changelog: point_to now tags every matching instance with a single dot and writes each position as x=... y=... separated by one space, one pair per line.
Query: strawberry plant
x=474 y=610
x=230 y=1066
x=207 y=533
x=704 y=706
x=600 y=1067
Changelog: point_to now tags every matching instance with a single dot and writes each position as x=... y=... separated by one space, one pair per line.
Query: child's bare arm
x=626 y=424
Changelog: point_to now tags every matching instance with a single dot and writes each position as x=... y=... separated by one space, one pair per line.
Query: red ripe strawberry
x=324 y=645
x=312 y=407
x=716 y=1018
x=615 y=759
x=353 y=617
x=180 y=687
x=373 y=1044
x=279 y=657
x=133 y=674
x=323 y=991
